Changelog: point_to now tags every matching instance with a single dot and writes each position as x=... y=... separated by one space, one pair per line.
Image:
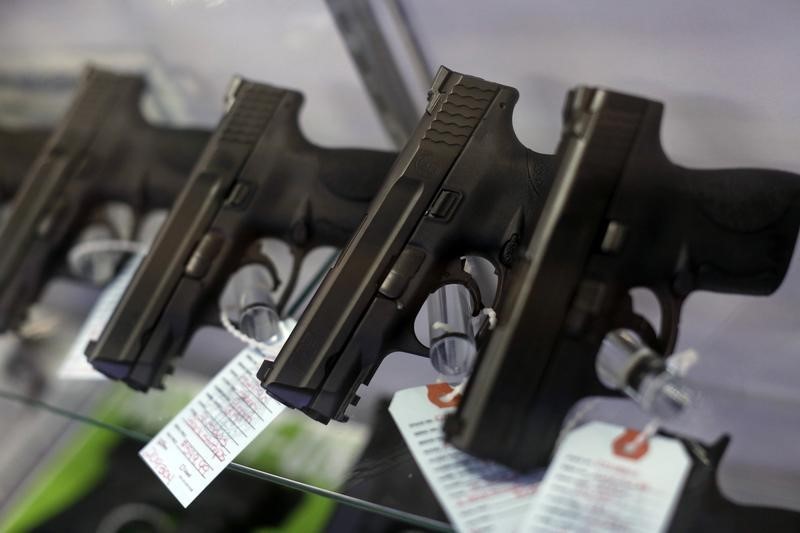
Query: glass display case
x=364 y=68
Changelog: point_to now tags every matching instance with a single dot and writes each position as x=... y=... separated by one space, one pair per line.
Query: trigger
x=642 y=327
x=627 y=318
x=670 y=304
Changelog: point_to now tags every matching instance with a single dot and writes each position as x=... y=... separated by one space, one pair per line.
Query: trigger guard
x=462 y=278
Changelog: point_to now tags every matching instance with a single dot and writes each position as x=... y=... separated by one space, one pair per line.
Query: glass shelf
x=104 y=413
x=294 y=452
x=365 y=464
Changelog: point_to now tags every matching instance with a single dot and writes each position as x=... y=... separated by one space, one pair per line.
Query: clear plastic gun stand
x=102 y=245
x=626 y=364
x=248 y=301
x=452 y=349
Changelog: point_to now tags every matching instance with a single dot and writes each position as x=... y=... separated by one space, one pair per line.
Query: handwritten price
x=160 y=467
x=194 y=456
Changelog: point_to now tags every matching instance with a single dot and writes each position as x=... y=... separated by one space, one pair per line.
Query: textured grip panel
x=255 y=105
x=459 y=111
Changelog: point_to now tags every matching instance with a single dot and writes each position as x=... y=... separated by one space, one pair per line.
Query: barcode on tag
x=595 y=484
x=206 y=436
x=75 y=365
x=476 y=495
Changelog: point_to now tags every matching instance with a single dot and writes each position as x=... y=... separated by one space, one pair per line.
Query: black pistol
x=258 y=177
x=102 y=151
x=620 y=216
x=703 y=506
x=463 y=186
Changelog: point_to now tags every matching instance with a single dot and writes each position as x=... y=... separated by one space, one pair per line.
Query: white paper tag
x=207 y=435
x=476 y=495
x=595 y=484
x=75 y=365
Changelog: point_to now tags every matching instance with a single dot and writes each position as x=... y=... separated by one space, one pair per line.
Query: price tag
x=208 y=434
x=600 y=480
x=75 y=365
x=476 y=495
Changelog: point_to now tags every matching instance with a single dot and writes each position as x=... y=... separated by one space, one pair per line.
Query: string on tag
x=455 y=390
x=458 y=389
x=643 y=436
x=490 y=317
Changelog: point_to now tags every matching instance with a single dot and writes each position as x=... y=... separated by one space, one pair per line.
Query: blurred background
x=726 y=71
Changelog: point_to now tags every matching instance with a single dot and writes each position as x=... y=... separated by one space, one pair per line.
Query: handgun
x=702 y=505
x=18 y=149
x=258 y=177
x=463 y=186
x=102 y=151
x=620 y=216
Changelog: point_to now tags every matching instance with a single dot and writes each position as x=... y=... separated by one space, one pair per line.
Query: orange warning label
x=621 y=445
x=436 y=392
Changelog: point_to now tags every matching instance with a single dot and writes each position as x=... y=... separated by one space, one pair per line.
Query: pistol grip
x=742 y=231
